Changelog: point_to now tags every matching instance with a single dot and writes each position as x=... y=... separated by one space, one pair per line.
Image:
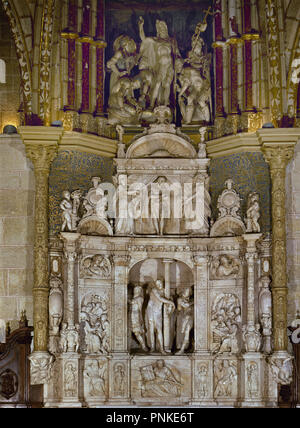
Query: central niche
x=161 y=308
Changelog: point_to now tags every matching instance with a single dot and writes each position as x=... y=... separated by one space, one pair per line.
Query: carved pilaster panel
x=278 y=157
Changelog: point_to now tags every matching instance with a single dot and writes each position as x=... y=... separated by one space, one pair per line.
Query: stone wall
x=17 y=186
x=293 y=234
x=10 y=90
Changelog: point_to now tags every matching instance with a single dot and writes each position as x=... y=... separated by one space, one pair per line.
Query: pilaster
x=278 y=149
x=41 y=144
x=201 y=303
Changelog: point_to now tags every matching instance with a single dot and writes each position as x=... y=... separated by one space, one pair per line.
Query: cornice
x=232 y=144
x=88 y=143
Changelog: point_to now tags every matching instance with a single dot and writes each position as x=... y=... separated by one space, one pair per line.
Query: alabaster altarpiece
x=160 y=310
x=152 y=300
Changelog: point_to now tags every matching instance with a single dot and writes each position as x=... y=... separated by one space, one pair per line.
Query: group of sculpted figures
x=76 y=207
x=162 y=73
x=147 y=328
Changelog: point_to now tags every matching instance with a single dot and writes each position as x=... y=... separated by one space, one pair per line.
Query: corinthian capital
x=41 y=143
x=41 y=155
x=278 y=156
x=278 y=145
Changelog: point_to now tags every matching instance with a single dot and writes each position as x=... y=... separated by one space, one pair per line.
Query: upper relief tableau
x=151 y=69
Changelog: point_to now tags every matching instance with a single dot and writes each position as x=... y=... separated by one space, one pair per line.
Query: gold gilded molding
x=235 y=41
x=239 y=143
x=69 y=36
x=251 y=36
x=89 y=143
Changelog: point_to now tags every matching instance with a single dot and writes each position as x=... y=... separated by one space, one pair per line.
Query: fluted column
x=251 y=257
x=120 y=344
x=201 y=303
x=278 y=149
x=41 y=148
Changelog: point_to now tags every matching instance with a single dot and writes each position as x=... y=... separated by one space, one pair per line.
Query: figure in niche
x=122 y=104
x=202 y=381
x=252 y=380
x=154 y=316
x=119 y=379
x=159 y=55
x=185 y=320
x=136 y=316
x=253 y=213
x=158 y=380
x=70 y=380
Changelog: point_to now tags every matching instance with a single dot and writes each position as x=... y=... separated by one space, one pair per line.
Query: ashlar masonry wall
x=17 y=191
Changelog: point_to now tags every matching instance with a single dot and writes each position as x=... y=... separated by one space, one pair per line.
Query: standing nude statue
x=158 y=55
x=185 y=319
x=137 y=323
x=154 y=316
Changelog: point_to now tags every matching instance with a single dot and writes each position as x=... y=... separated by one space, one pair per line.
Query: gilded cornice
x=88 y=143
x=239 y=143
x=38 y=136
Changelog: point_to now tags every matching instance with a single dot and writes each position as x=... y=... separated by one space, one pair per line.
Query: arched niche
x=143 y=276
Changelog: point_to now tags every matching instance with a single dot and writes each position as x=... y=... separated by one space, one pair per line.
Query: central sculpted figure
x=159 y=54
x=154 y=316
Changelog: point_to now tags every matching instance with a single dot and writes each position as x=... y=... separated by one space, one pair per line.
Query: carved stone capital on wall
x=121 y=260
x=70 y=242
x=251 y=241
x=201 y=259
